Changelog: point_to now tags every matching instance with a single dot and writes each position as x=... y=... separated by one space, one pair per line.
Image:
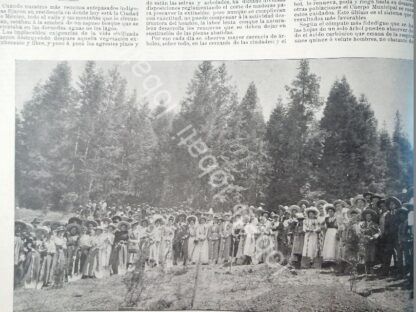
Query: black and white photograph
x=250 y=185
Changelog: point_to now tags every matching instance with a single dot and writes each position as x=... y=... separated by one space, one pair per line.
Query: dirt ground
x=244 y=288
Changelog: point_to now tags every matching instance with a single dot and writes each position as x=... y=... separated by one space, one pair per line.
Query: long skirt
x=166 y=253
x=225 y=248
x=46 y=272
x=249 y=246
x=191 y=244
x=60 y=268
x=330 y=245
x=264 y=247
x=310 y=246
x=214 y=247
x=201 y=252
x=154 y=252
x=241 y=244
x=32 y=269
x=122 y=258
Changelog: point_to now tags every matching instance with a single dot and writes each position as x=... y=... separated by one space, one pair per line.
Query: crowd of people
x=370 y=231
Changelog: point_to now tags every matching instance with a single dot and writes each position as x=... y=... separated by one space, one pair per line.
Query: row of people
x=50 y=253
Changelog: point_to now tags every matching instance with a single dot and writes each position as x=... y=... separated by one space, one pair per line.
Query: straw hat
x=192 y=217
x=321 y=202
x=295 y=208
x=70 y=226
x=21 y=223
x=340 y=202
x=121 y=223
x=43 y=229
x=311 y=209
x=92 y=222
x=328 y=207
x=357 y=198
x=75 y=220
x=370 y=212
x=353 y=210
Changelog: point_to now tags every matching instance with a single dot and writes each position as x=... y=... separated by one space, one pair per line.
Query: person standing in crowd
x=330 y=240
x=370 y=232
x=359 y=202
x=214 y=240
x=181 y=234
x=60 y=266
x=249 y=249
x=201 y=253
x=121 y=238
x=192 y=220
x=236 y=237
x=48 y=265
x=390 y=233
x=133 y=244
x=312 y=228
x=73 y=231
x=226 y=238
x=19 y=255
x=168 y=234
x=348 y=257
x=298 y=241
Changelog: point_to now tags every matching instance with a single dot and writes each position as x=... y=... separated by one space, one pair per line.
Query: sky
x=387 y=83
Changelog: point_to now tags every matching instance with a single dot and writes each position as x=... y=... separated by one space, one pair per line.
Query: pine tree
x=348 y=164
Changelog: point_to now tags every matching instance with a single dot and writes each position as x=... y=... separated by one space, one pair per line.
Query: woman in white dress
x=312 y=228
x=201 y=252
x=330 y=241
x=249 y=250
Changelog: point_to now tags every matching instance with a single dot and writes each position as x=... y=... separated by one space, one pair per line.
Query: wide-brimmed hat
x=192 y=217
x=353 y=210
x=121 y=223
x=340 y=202
x=75 y=220
x=21 y=223
x=393 y=199
x=92 y=222
x=117 y=217
x=371 y=212
x=321 y=202
x=295 y=208
x=144 y=220
x=303 y=202
x=273 y=214
x=43 y=229
x=157 y=217
x=106 y=219
x=112 y=225
x=70 y=226
x=55 y=224
x=311 y=209
x=357 y=198
x=328 y=207
x=299 y=216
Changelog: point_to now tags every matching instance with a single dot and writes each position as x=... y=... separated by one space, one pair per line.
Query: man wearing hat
x=73 y=235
